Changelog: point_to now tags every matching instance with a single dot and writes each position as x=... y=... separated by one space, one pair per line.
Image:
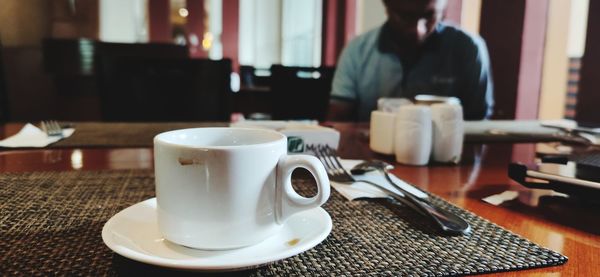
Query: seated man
x=412 y=53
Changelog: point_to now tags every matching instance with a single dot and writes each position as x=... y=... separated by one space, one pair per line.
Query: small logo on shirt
x=442 y=80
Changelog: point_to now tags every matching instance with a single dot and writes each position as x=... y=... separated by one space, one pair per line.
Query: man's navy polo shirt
x=453 y=63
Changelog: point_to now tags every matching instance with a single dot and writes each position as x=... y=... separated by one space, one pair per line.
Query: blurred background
x=66 y=59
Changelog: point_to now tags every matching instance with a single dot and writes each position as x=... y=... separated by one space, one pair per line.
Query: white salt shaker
x=381 y=137
x=413 y=135
x=448 y=132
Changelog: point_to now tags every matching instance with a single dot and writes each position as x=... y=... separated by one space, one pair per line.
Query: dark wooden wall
x=588 y=97
x=504 y=17
x=514 y=31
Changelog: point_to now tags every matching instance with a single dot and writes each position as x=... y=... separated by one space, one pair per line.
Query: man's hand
x=341 y=111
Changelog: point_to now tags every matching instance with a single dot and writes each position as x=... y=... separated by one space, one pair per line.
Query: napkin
x=31 y=136
x=365 y=190
x=497 y=199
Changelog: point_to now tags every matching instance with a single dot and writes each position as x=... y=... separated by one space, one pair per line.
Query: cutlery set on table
x=51 y=128
x=33 y=136
x=446 y=221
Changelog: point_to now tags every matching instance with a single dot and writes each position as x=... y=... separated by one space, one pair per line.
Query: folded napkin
x=31 y=136
x=365 y=190
x=494 y=130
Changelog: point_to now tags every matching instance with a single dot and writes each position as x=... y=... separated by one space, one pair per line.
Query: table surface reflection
x=561 y=224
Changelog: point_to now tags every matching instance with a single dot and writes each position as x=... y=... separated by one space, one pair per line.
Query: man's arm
x=478 y=92
x=340 y=110
x=342 y=103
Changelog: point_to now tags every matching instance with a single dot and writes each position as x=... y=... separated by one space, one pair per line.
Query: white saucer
x=133 y=233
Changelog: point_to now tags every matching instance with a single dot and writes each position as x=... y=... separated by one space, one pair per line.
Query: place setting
x=214 y=216
x=47 y=133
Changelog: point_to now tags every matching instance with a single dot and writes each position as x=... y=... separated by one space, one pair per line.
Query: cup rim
x=429 y=99
x=159 y=138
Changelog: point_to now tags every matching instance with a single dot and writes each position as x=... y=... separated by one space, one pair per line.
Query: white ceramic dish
x=133 y=233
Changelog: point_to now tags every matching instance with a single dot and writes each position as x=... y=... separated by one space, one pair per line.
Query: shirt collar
x=387 y=45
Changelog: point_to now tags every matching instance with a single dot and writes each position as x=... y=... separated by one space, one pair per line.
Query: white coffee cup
x=413 y=135
x=429 y=99
x=448 y=132
x=381 y=132
x=225 y=188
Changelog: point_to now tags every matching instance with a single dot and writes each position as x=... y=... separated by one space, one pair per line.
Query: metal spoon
x=447 y=221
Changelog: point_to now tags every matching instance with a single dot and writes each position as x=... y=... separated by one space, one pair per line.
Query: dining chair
x=300 y=92
x=113 y=50
x=69 y=56
x=255 y=77
x=247 y=75
x=165 y=89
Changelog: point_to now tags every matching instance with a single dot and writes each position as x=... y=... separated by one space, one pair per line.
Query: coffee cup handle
x=289 y=201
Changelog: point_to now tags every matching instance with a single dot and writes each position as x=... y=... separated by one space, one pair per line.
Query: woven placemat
x=51 y=224
x=112 y=134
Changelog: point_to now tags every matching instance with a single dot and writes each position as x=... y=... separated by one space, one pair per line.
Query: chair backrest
x=255 y=77
x=142 y=89
x=300 y=92
x=247 y=75
x=156 y=50
x=69 y=57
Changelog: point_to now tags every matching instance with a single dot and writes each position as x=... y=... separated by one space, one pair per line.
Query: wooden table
x=564 y=226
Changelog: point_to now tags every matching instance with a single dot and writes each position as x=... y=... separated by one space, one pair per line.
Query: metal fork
x=338 y=174
x=448 y=222
x=51 y=128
